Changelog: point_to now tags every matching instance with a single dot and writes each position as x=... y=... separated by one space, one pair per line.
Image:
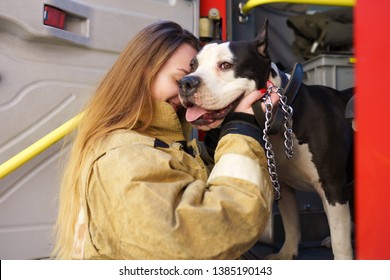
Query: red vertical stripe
x=372 y=20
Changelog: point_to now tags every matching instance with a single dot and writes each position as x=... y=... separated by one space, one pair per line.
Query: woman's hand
x=245 y=106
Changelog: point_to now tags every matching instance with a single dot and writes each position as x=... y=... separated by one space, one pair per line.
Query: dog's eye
x=225 y=65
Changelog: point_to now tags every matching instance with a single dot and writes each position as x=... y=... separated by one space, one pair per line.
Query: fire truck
x=53 y=53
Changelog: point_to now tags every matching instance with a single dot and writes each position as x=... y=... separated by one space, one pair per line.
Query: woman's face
x=164 y=87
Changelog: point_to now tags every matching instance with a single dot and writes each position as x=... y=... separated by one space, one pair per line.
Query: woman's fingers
x=246 y=103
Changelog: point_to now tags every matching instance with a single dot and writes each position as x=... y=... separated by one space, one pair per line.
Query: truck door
x=52 y=54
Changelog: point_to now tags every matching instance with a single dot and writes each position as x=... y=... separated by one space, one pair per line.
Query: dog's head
x=221 y=74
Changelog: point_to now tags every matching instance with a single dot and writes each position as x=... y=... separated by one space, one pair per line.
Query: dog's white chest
x=298 y=171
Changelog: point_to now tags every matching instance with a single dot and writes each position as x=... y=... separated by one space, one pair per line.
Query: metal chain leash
x=288 y=113
x=268 y=147
x=288 y=142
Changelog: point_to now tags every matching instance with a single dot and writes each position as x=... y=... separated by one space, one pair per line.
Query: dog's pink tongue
x=193 y=113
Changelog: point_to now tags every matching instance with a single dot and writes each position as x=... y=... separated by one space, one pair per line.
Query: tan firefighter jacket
x=145 y=197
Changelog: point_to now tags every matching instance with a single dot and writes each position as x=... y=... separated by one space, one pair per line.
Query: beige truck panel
x=46 y=75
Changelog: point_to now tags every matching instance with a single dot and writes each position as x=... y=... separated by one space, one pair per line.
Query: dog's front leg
x=340 y=224
x=289 y=211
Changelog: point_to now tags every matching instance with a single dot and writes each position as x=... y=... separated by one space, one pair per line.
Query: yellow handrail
x=39 y=146
x=248 y=6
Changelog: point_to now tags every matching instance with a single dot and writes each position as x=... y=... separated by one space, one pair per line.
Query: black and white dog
x=222 y=73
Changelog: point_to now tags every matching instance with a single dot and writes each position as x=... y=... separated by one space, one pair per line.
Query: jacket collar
x=168 y=125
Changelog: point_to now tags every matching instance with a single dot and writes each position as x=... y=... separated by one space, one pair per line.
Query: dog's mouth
x=198 y=116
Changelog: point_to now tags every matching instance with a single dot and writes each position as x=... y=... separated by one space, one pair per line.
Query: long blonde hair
x=122 y=96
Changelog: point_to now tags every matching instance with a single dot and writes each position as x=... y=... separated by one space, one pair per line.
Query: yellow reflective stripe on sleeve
x=237 y=166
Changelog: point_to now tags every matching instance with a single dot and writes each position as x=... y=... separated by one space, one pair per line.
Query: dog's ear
x=262 y=41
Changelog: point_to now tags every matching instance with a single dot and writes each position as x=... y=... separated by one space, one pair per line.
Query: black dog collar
x=290 y=89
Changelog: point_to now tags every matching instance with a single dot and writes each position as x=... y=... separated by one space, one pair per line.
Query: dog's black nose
x=188 y=85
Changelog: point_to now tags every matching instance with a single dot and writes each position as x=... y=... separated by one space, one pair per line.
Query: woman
x=135 y=186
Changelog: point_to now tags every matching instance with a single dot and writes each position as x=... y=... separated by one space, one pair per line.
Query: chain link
x=288 y=113
x=288 y=142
